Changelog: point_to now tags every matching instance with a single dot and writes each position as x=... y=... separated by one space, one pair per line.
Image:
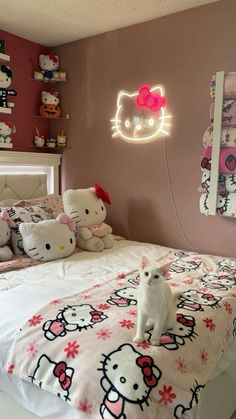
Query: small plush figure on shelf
x=86 y=207
x=61 y=140
x=5 y=234
x=49 y=64
x=51 y=143
x=50 y=105
x=38 y=139
x=6 y=129
x=5 y=82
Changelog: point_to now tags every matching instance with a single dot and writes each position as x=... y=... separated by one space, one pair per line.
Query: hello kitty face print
x=124 y=297
x=220 y=283
x=122 y=386
x=193 y=300
x=58 y=374
x=184 y=330
x=196 y=393
x=71 y=318
x=184 y=265
x=227 y=265
x=141 y=116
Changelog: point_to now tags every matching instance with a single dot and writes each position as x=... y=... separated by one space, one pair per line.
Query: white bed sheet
x=24 y=292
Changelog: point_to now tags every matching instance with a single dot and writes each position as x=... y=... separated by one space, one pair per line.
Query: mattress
x=26 y=291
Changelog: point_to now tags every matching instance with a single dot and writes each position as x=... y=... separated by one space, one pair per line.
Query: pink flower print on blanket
x=193 y=300
x=55 y=374
x=124 y=297
x=121 y=386
x=183 y=331
x=220 y=283
x=71 y=318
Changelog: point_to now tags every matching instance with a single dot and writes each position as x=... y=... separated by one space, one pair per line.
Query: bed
x=23 y=293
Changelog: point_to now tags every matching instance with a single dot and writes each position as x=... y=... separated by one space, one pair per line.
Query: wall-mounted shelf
x=51 y=81
x=4 y=57
x=44 y=117
x=5 y=110
x=6 y=145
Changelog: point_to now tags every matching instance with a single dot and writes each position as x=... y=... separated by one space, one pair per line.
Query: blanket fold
x=226 y=182
x=226 y=204
x=229 y=86
x=228 y=113
x=81 y=347
x=228 y=137
x=227 y=161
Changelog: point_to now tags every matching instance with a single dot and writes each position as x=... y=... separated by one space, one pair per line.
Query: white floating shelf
x=6 y=145
x=5 y=110
x=4 y=57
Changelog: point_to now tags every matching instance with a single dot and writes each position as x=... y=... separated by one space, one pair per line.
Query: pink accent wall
x=180 y=51
x=28 y=96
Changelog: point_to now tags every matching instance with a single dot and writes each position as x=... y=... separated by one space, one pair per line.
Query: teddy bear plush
x=6 y=129
x=49 y=239
x=50 y=105
x=86 y=207
x=5 y=82
x=5 y=233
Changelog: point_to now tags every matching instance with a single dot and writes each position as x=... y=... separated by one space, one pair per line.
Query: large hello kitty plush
x=48 y=64
x=5 y=234
x=50 y=105
x=86 y=207
x=6 y=129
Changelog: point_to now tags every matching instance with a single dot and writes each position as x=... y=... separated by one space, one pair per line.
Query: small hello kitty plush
x=5 y=233
x=86 y=207
x=5 y=82
x=50 y=105
x=49 y=64
x=6 y=129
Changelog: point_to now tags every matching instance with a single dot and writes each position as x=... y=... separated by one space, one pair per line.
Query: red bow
x=53 y=58
x=60 y=372
x=102 y=194
x=186 y=322
x=96 y=316
x=205 y=163
x=209 y=297
x=146 y=99
x=146 y=363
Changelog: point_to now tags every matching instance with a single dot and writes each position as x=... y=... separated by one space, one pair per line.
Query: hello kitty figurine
x=50 y=105
x=5 y=82
x=49 y=64
x=6 y=129
x=128 y=377
x=5 y=233
x=86 y=207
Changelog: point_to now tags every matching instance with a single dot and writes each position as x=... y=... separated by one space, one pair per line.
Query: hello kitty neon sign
x=141 y=116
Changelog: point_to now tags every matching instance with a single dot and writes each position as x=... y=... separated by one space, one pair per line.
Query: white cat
x=155 y=302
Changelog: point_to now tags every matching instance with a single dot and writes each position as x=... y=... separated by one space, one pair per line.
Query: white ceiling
x=55 y=22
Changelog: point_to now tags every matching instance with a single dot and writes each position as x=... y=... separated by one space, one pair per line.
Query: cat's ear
x=165 y=269
x=145 y=262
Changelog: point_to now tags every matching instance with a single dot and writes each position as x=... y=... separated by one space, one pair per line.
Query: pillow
x=49 y=240
x=8 y=202
x=52 y=204
x=23 y=215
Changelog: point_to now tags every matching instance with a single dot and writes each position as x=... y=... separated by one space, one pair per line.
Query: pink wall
x=28 y=92
x=180 y=51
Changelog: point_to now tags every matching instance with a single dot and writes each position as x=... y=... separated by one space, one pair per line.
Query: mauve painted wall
x=180 y=51
x=28 y=91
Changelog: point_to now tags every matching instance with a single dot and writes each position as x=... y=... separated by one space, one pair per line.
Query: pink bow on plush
x=6 y=217
x=147 y=99
x=65 y=219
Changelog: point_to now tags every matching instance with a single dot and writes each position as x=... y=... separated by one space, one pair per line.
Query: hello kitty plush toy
x=49 y=64
x=5 y=233
x=5 y=82
x=6 y=129
x=50 y=105
x=86 y=207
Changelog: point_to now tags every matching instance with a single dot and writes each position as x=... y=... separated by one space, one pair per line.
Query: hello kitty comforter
x=81 y=347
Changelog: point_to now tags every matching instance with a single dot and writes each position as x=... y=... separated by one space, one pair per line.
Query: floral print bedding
x=81 y=347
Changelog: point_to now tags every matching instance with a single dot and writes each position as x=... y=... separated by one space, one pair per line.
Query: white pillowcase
x=23 y=215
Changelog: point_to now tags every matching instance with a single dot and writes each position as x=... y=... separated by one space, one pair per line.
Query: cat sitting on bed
x=155 y=302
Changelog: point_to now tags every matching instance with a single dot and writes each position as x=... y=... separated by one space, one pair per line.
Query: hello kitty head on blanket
x=87 y=208
x=49 y=239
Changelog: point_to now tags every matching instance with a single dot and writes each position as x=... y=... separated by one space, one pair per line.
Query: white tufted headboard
x=28 y=175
